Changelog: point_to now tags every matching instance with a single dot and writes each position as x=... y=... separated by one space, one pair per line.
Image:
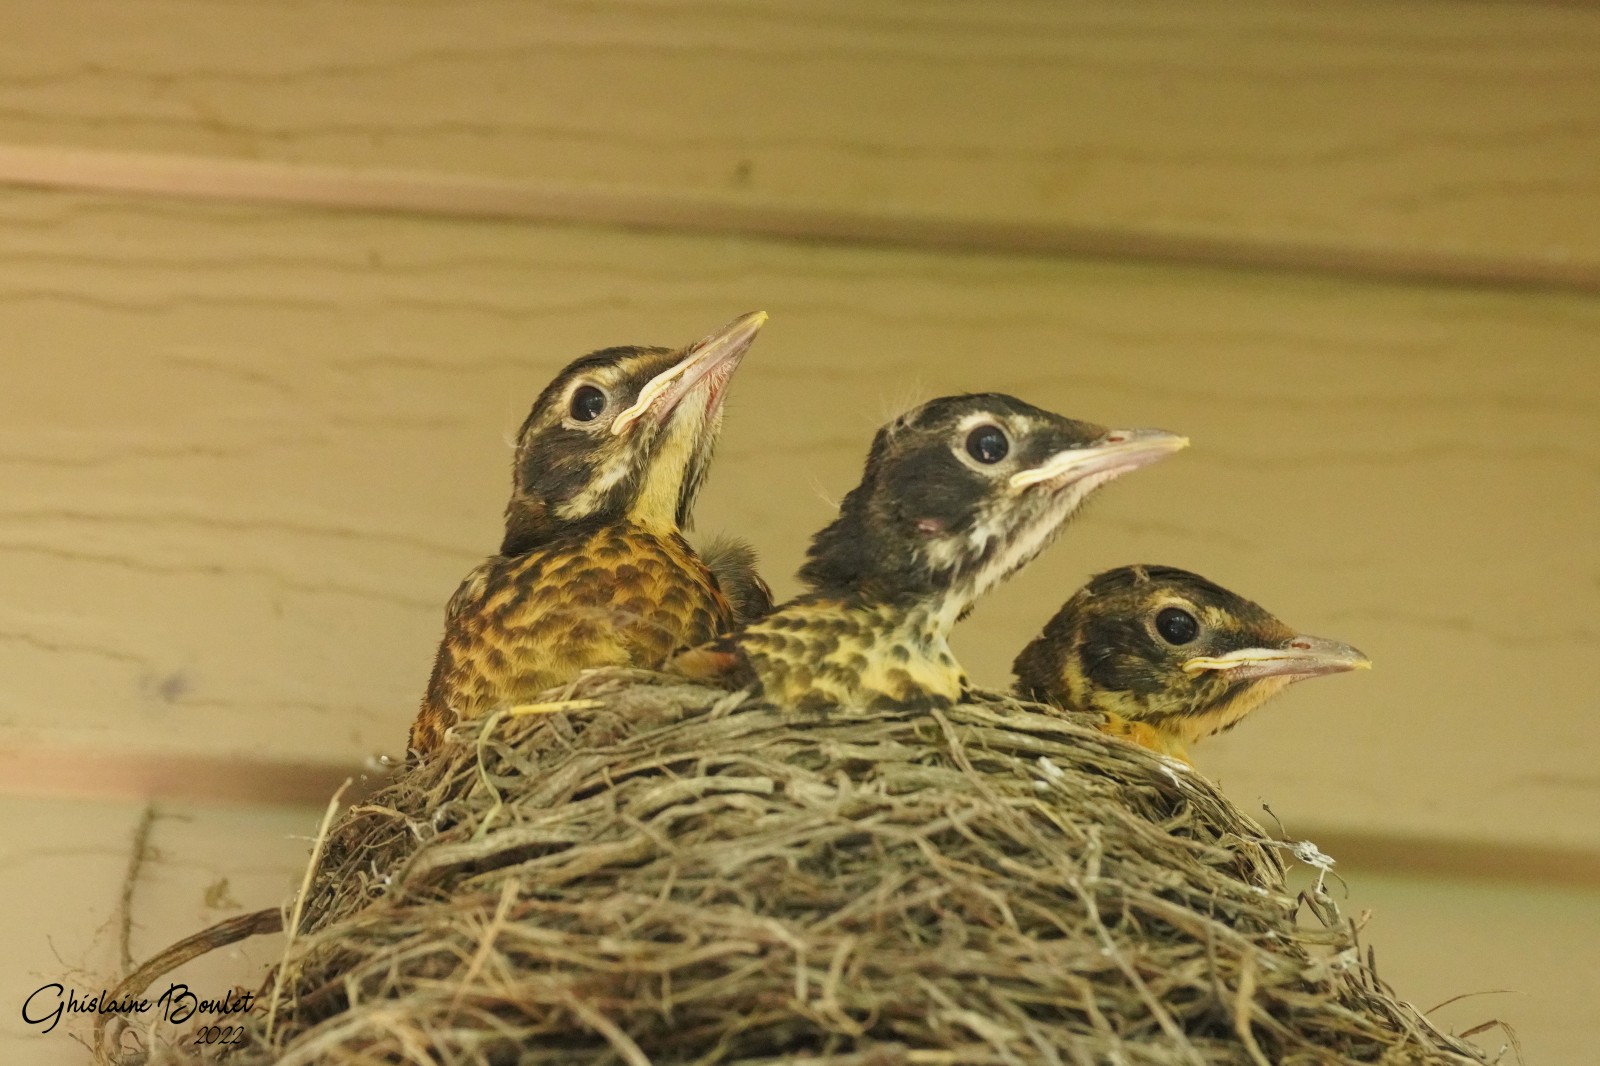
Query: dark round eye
x=587 y=403
x=988 y=444
x=1176 y=625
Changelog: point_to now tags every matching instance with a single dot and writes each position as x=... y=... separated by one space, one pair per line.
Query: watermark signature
x=48 y=1004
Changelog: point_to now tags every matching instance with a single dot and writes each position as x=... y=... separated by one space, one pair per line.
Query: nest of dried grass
x=674 y=874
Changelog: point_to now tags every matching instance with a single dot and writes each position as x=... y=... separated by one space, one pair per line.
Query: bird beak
x=1118 y=452
x=712 y=360
x=1303 y=656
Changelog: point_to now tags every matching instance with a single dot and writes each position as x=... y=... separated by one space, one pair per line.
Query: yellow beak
x=1303 y=656
x=714 y=357
x=1118 y=452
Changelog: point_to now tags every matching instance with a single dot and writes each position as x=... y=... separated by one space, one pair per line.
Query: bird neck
x=530 y=525
x=929 y=610
x=528 y=530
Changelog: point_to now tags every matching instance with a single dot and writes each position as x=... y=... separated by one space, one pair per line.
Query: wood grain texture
x=246 y=455
x=1444 y=139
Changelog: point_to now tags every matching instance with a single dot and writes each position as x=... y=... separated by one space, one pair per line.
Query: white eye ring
x=985 y=442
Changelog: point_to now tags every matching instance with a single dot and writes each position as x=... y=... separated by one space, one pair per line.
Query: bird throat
x=664 y=497
x=1223 y=714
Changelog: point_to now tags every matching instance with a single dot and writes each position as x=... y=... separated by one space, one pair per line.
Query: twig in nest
x=334 y=806
x=231 y=931
x=523 y=710
x=130 y=880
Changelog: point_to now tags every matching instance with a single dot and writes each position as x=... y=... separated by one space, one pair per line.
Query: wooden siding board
x=1445 y=138
x=247 y=454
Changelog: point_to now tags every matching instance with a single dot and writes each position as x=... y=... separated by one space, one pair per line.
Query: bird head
x=961 y=492
x=623 y=433
x=1166 y=647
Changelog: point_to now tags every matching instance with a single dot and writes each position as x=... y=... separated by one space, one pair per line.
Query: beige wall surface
x=229 y=531
x=90 y=884
x=1473 y=951
x=1407 y=135
x=277 y=283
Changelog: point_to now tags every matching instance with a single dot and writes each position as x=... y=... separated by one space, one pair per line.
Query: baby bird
x=1168 y=657
x=733 y=561
x=593 y=570
x=957 y=495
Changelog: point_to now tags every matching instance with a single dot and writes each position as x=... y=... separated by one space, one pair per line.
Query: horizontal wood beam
x=167 y=777
x=1401 y=139
x=1457 y=860
x=464 y=196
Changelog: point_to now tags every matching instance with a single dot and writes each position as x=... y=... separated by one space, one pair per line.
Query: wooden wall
x=278 y=280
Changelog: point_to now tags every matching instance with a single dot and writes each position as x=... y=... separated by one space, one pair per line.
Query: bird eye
x=1176 y=625
x=587 y=403
x=988 y=444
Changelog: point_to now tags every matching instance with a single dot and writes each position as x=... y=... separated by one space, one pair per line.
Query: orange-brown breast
x=618 y=596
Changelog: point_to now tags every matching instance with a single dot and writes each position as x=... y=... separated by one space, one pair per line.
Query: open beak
x=710 y=361
x=1118 y=452
x=1303 y=656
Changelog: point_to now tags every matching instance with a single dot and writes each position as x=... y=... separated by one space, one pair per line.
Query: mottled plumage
x=1168 y=657
x=593 y=570
x=957 y=495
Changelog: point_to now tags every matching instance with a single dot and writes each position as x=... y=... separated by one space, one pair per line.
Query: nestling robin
x=957 y=495
x=733 y=561
x=1168 y=657
x=594 y=570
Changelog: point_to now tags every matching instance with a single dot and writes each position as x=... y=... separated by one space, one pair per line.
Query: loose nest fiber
x=670 y=874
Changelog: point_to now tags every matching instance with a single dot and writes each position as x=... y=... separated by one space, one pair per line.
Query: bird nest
x=662 y=873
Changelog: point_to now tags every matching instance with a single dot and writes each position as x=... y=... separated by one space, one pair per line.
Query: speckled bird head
x=1166 y=647
x=961 y=492
x=623 y=433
